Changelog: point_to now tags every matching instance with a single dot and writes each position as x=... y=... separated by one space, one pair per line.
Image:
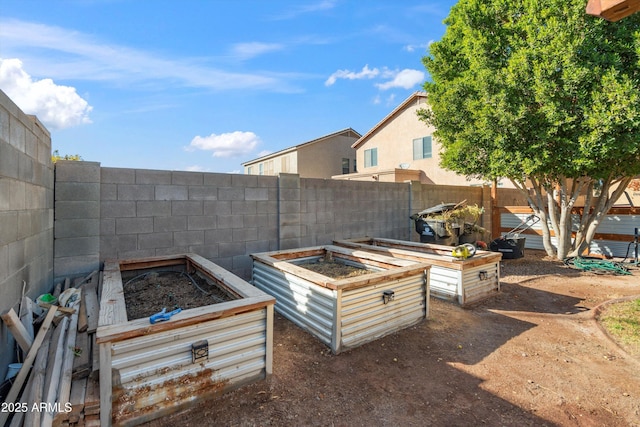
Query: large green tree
x=545 y=95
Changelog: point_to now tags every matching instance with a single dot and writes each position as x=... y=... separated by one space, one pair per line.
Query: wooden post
x=26 y=365
x=495 y=211
x=18 y=330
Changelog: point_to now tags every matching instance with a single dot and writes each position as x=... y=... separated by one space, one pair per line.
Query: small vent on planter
x=200 y=351
x=388 y=296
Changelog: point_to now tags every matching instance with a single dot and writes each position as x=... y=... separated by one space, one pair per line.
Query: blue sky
x=205 y=85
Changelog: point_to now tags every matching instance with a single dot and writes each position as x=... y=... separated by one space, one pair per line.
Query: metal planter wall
x=464 y=281
x=150 y=370
x=345 y=313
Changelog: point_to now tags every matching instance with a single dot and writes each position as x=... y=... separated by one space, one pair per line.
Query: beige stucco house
x=319 y=158
x=402 y=148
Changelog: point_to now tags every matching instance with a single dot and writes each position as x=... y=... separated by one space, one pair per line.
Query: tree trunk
x=591 y=219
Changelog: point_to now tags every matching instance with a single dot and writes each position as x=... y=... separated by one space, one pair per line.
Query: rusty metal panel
x=304 y=303
x=162 y=372
x=368 y=313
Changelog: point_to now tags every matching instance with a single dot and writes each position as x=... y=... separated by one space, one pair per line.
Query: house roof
x=346 y=131
x=413 y=97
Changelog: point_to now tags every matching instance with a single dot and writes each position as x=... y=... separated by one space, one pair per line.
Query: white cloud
x=56 y=106
x=405 y=79
x=253 y=49
x=226 y=144
x=66 y=54
x=308 y=8
x=422 y=47
x=366 y=73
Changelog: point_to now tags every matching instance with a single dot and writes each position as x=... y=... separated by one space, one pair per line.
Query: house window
x=268 y=167
x=285 y=164
x=370 y=157
x=249 y=170
x=345 y=166
x=422 y=148
x=260 y=169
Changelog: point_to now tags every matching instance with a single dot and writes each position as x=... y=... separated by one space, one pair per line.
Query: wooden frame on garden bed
x=466 y=281
x=150 y=370
x=344 y=313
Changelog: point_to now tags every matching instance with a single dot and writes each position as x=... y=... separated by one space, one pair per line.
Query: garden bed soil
x=149 y=293
x=334 y=269
x=533 y=355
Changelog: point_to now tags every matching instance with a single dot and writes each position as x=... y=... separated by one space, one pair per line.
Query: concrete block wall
x=115 y=213
x=26 y=213
x=77 y=218
x=332 y=209
x=144 y=213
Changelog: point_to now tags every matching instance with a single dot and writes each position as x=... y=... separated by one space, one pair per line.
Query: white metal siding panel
x=611 y=224
x=365 y=317
x=304 y=303
x=475 y=287
x=237 y=354
x=444 y=282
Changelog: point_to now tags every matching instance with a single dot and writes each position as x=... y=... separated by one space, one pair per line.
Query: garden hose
x=596 y=265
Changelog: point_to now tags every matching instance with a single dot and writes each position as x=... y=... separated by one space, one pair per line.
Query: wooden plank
x=64 y=389
x=192 y=316
x=105 y=384
x=83 y=324
x=64 y=310
x=18 y=330
x=149 y=262
x=77 y=397
x=26 y=364
x=92 y=306
x=95 y=356
x=82 y=362
x=92 y=397
x=54 y=370
x=112 y=305
x=57 y=290
x=66 y=284
x=18 y=417
x=26 y=314
x=37 y=378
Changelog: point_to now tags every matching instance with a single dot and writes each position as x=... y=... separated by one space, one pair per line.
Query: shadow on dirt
x=517 y=297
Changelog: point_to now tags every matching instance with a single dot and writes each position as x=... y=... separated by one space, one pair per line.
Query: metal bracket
x=199 y=351
x=388 y=296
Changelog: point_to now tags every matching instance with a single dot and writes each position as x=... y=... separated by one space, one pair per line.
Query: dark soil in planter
x=148 y=293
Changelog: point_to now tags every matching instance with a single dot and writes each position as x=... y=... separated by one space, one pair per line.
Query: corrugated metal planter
x=465 y=281
x=150 y=370
x=344 y=313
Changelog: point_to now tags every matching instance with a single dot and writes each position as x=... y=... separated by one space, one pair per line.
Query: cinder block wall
x=332 y=209
x=137 y=213
x=114 y=213
x=77 y=217
x=26 y=213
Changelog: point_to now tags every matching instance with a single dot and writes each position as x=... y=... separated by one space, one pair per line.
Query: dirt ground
x=533 y=355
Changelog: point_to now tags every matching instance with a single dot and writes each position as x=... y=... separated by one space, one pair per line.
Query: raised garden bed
x=148 y=370
x=344 y=313
x=464 y=281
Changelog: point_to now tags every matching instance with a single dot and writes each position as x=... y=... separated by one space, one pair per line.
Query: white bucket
x=13 y=370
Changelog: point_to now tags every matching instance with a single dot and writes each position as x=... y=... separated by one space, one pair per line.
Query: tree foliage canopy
x=541 y=93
